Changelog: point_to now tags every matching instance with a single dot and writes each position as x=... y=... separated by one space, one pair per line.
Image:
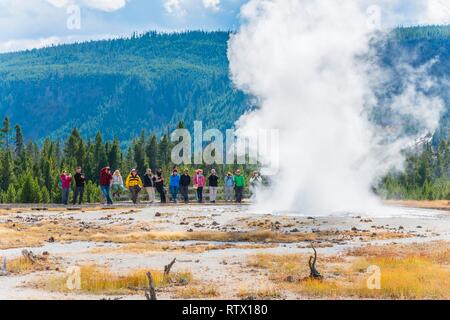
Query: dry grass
x=407 y=272
x=100 y=280
x=198 y=292
x=264 y=292
x=435 y=204
x=410 y=277
x=436 y=251
x=23 y=266
x=17 y=235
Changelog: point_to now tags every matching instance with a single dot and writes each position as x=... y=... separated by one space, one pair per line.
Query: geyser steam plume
x=303 y=61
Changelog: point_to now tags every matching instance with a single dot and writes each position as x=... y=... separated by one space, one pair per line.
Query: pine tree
x=114 y=155
x=151 y=151
x=163 y=151
x=44 y=195
x=11 y=195
x=180 y=125
x=4 y=133
x=442 y=160
x=139 y=154
x=6 y=171
x=74 y=149
x=100 y=153
x=22 y=155
x=30 y=190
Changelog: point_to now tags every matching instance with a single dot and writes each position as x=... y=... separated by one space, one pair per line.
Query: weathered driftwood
x=29 y=255
x=3 y=271
x=314 y=273
x=168 y=267
x=150 y=293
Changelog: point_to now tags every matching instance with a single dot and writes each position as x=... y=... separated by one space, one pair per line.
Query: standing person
x=80 y=181
x=134 y=184
x=185 y=182
x=159 y=184
x=174 y=185
x=229 y=186
x=239 y=183
x=255 y=183
x=149 y=185
x=105 y=183
x=66 y=180
x=213 y=181
x=199 y=184
x=117 y=184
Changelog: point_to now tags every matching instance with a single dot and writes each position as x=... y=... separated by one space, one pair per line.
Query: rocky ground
x=221 y=251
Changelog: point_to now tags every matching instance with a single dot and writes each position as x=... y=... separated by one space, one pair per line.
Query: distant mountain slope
x=154 y=80
x=417 y=46
x=121 y=86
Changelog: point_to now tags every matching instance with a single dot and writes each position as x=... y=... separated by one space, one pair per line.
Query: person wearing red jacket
x=66 y=180
x=105 y=183
x=199 y=183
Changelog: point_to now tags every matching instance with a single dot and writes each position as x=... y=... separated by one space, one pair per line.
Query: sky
x=27 y=24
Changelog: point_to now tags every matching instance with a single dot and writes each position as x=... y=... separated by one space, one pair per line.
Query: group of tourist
x=179 y=185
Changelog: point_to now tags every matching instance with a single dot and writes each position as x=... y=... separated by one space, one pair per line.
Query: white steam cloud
x=302 y=60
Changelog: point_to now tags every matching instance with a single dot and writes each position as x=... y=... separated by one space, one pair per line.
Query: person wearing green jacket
x=239 y=184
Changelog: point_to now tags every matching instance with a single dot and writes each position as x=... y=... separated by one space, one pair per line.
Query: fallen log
x=168 y=267
x=150 y=293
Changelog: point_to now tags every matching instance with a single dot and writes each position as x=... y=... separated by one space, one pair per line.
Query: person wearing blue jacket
x=174 y=185
x=229 y=187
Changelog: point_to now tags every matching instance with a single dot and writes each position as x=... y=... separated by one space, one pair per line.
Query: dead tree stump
x=168 y=267
x=150 y=293
x=29 y=256
x=314 y=273
x=3 y=271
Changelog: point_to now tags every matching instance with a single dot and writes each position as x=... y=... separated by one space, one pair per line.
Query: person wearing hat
x=229 y=186
x=149 y=185
x=199 y=183
x=185 y=182
x=174 y=185
x=105 y=183
x=80 y=182
x=66 y=180
x=159 y=185
x=239 y=183
x=213 y=181
x=134 y=184
x=117 y=184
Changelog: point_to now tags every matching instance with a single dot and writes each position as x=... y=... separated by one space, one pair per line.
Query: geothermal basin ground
x=224 y=252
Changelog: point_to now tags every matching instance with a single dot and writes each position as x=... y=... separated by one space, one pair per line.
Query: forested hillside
x=111 y=91
x=120 y=86
x=417 y=46
x=152 y=81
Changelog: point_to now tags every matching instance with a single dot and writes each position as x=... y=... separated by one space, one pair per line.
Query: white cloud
x=412 y=12
x=175 y=7
x=58 y=3
x=183 y=7
x=28 y=44
x=102 y=5
x=438 y=12
x=212 y=4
